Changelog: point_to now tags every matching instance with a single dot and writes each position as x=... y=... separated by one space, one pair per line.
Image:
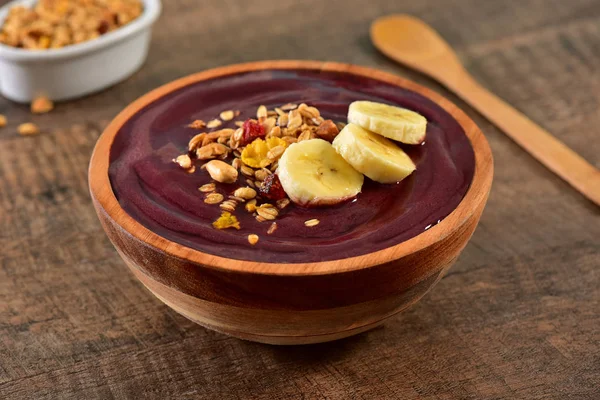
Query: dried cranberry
x=271 y=188
x=252 y=130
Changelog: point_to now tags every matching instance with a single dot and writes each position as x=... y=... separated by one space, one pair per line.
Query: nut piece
x=28 y=129
x=2 y=121
x=261 y=174
x=282 y=203
x=245 y=193
x=228 y=205
x=272 y=228
x=289 y=106
x=294 y=120
x=267 y=211
x=247 y=171
x=221 y=171
x=209 y=187
x=275 y=152
x=213 y=198
x=312 y=222
x=196 y=141
x=252 y=239
x=197 y=124
x=261 y=112
x=251 y=206
x=327 y=130
x=41 y=105
x=227 y=115
x=214 y=123
x=184 y=161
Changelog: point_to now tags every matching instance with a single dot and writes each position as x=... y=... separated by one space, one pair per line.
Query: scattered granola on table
x=52 y=24
x=28 y=129
x=41 y=105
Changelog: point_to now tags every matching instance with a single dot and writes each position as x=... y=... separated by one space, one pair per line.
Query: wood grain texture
x=282 y=303
x=395 y=37
x=515 y=318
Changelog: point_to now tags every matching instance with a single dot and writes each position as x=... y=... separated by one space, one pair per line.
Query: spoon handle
x=548 y=150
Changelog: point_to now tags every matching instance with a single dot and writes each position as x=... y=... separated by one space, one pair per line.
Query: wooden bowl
x=290 y=303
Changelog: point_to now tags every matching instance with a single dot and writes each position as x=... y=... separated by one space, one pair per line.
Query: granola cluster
x=53 y=24
x=252 y=150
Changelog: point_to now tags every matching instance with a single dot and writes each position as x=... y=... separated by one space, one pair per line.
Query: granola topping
x=253 y=149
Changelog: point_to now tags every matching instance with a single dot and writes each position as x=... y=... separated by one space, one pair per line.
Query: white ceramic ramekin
x=76 y=70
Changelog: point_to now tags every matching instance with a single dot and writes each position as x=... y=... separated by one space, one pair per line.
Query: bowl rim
x=105 y=200
x=150 y=13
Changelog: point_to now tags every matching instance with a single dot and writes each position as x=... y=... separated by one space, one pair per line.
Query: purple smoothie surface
x=165 y=199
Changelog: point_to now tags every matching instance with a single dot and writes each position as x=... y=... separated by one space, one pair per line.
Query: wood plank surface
x=516 y=318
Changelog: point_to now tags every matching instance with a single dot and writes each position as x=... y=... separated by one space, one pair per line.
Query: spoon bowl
x=415 y=44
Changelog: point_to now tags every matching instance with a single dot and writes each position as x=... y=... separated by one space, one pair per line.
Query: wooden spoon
x=415 y=44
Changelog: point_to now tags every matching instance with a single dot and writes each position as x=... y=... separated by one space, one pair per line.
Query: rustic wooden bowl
x=290 y=303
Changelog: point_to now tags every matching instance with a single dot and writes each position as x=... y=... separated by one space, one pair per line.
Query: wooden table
x=518 y=316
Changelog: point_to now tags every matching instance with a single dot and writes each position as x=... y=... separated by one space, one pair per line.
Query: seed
x=213 y=198
x=197 y=124
x=306 y=135
x=3 y=121
x=245 y=193
x=282 y=203
x=279 y=111
x=275 y=152
x=262 y=174
x=260 y=219
x=317 y=121
x=268 y=213
x=237 y=154
x=252 y=239
x=246 y=170
x=275 y=132
x=312 y=222
x=274 y=166
x=206 y=141
x=236 y=163
x=250 y=183
x=221 y=171
x=227 y=115
x=282 y=120
x=28 y=129
x=214 y=123
x=272 y=228
x=251 y=206
x=209 y=187
x=268 y=124
x=239 y=123
x=289 y=106
x=261 y=112
x=294 y=120
x=211 y=150
x=222 y=140
x=184 y=161
x=236 y=199
x=308 y=112
x=196 y=141
x=289 y=139
x=228 y=205
x=41 y=105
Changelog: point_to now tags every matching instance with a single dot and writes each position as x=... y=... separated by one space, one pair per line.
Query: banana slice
x=373 y=155
x=396 y=123
x=313 y=174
